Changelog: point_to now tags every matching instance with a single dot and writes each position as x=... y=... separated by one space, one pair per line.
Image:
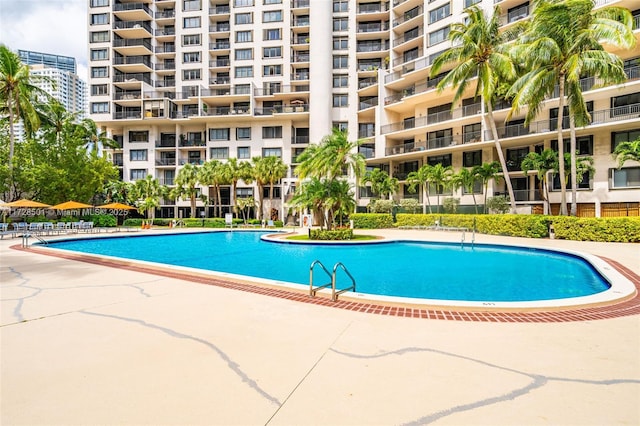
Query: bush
x=371 y=220
x=612 y=229
x=340 y=234
x=132 y=222
x=410 y=205
x=451 y=204
x=498 y=204
x=101 y=220
x=381 y=206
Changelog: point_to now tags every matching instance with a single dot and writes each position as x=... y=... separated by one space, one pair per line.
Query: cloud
x=56 y=27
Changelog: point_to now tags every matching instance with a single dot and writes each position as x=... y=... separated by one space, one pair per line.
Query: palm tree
x=186 y=182
x=441 y=179
x=312 y=195
x=479 y=52
x=561 y=46
x=627 y=151
x=57 y=123
x=421 y=177
x=339 y=201
x=235 y=171
x=95 y=139
x=148 y=193
x=487 y=172
x=212 y=173
x=267 y=170
x=331 y=157
x=244 y=203
x=381 y=183
x=466 y=178
x=542 y=164
x=17 y=95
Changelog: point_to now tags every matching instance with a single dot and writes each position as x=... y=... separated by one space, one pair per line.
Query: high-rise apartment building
x=63 y=63
x=188 y=81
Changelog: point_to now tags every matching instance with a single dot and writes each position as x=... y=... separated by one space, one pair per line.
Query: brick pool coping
x=630 y=306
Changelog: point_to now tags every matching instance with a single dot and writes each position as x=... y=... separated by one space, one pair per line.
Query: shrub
x=340 y=234
x=381 y=206
x=451 y=204
x=613 y=229
x=498 y=204
x=132 y=222
x=371 y=220
x=410 y=205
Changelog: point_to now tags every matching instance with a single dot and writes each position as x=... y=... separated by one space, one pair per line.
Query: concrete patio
x=89 y=344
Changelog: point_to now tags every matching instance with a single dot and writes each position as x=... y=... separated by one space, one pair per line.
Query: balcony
x=132 y=11
x=409 y=15
x=299 y=139
x=373 y=27
x=191 y=142
x=411 y=35
x=165 y=162
x=364 y=8
x=135 y=79
x=369 y=103
x=166 y=14
x=220 y=28
x=300 y=4
x=220 y=45
x=133 y=46
x=166 y=143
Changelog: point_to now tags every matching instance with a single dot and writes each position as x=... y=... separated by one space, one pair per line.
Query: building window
x=244 y=36
x=340 y=6
x=472 y=158
x=272 y=152
x=438 y=36
x=99 y=18
x=219 y=153
x=272 y=132
x=244 y=192
x=625 y=104
x=272 y=52
x=191 y=75
x=628 y=177
x=241 y=72
x=276 y=191
x=244 y=153
x=189 y=5
x=97 y=72
x=219 y=134
x=343 y=126
x=439 y=13
x=98 y=36
x=476 y=189
x=515 y=157
x=138 y=155
x=99 y=3
x=243 y=133
x=626 y=136
x=272 y=1
x=243 y=54
x=242 y=3
x=192 y=22
x=584 y=145
x=340 y=24
x=99 y=54
x=583 y=184
x=189 y=57
x=99 y=107
x=244 y=18
x=191 y=40
x=445 y=160
x=137 y=174
x=139 y=136
x=99 y=89
x=340 y=43
x=340 y=101
x=272 y=70
x=340 y=61
x=518 y=12
x=340 y=80
x=272 y=34
x=272 y=16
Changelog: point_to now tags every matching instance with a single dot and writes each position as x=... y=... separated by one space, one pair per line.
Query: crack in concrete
x=537 y=381
x=233 y=366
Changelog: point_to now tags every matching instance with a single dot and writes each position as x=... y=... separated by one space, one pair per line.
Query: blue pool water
x=405 y=269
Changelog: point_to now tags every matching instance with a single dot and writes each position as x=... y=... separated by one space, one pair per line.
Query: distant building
x=63 y=63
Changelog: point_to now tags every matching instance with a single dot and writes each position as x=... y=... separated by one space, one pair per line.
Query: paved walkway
x=89 y=344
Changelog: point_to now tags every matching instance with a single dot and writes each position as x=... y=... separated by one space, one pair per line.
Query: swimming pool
x=482 y=274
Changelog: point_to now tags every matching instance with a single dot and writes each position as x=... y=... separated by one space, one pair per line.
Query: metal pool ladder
x=332 y=276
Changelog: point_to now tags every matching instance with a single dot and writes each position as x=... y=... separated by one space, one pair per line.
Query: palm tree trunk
x=192 y=200
x=574 y=178
x=563 y=184
x=503 y=163
x=219 y=203
x=426 y=195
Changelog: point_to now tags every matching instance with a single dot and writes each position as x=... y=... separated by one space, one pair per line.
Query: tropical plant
x=479 y=54
x=421 y=177
x=627 y=151
x=267 y=171
x=487 y=172
x=441 y=179
x=542 y=164
x=148 y=193
x=382 y=184
x=244 y=204
x=213 y=174
x=312 y=195
x=562 y=45
x=235 y=171
x=340 y=201
x=95 y=139
x=117 y=191
x=186 y=182
x=466 y=178
x=334 y=155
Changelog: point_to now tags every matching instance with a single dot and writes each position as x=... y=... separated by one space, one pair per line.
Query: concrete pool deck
x=82 y=343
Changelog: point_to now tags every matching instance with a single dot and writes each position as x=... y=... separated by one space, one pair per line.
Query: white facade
x=194 y=80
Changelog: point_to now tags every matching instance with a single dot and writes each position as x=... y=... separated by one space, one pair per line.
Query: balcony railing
x=126 y=25
x=166 y=143
x=165 y=162
x=366 y=82
x=120 y=7
x=220 y=45
x=132 y=60
x=132 y=78
x=219 y=63
x=192 y=142
x=284 y=88
x=165 y=49
x=408 y=37
x=166 y=14
x=373 y=27
x=299 y=4
x=127 y=96
x=127 y=115
x=133 y=42
x=432 y=118
x=299 y=139
x=302 y=22
x=408 y=16
x=367 y=103
x=219 y=28
x=165 y=32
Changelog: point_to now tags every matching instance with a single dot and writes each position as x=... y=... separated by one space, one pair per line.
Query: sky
x=48 y=26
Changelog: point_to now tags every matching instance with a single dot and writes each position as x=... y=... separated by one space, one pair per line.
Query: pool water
x=406 y=269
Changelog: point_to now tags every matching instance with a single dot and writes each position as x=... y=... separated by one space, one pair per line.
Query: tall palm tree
x=268 y=171
x=312 y=195
x=95 y=139
x=186 y=182
x=441 y=180
x=148 y=193
x=422 y=178
x=382 y=184
x=334 y=155
x=212 y=173
x=466 y=178
x=541 y=164
x=487 y=172
x=57 y=123
x=479 y=53
x=339 y=201
x=561 y=46
x=627 y=151
x=17 y=95
x=235 y=171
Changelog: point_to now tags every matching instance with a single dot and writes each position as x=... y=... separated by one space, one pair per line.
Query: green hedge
x=333 y=235
x=611 y=229
x=371 y=220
